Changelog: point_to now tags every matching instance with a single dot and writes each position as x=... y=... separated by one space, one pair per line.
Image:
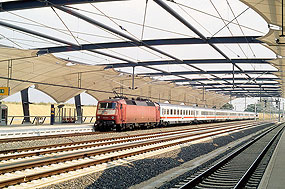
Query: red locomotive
x=122 y=114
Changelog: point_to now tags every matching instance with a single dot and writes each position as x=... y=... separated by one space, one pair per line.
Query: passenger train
x=122 y=114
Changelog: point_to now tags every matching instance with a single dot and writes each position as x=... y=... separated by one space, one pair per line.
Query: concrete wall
x=41 y=109
x=15 y=109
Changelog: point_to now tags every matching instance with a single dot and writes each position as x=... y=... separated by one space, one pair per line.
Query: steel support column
x=78 y=106
x=25 y=105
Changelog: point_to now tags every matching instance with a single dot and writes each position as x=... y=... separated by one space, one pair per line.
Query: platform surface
x=39 y=130
x=274 y=176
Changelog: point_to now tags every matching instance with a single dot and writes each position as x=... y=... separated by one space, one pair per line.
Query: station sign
x=4 y=91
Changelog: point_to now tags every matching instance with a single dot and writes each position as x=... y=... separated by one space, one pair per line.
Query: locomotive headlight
x=112 y=117
x=98 y=117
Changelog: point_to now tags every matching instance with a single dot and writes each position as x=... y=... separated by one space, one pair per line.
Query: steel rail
x=198 y=179
x=242 y=182
x=27 y=178
x=65 y=148
x=48 y=161
x=92 y=133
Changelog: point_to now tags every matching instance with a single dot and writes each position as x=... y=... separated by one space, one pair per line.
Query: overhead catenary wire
x=231 y=21
x=59 y=29
x=118 y=33
x=240 y=27
x=202 y=37
x=56 y=29
x=144 y=19
x=124 y=29
x=45 y=36
x=4 y=37
x=134 y=23
x=187 y=24
x=65 y=26
x=227 y=26
x=203 y=27
x=214 y=16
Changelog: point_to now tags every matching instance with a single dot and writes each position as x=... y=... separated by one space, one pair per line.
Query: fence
x=45 y=120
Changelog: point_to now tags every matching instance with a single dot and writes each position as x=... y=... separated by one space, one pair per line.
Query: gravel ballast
x=127 y=175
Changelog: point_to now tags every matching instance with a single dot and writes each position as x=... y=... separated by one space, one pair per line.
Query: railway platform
x=275 y=171
x=15 y=131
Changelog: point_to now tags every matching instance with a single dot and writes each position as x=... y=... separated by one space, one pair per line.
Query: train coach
x=178 y=114
x=122 y=113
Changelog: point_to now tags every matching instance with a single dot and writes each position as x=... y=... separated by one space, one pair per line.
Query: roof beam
x=29 y=4
x=246 y=87
x=197 y=61
x=255 y=95
x=219 y=85
x=25 y=30
x=117 y=32
x=251 y=90
x=153 y=42
x=210 y=72
x=114 y=31
x=187 y=24
x=229 y=79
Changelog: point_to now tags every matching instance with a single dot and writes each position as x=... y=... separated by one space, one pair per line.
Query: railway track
x=113 y=140
x=242 y=168
x=86 y=133
x=48 y=162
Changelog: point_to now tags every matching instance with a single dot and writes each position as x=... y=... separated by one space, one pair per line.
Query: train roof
x=198 y=108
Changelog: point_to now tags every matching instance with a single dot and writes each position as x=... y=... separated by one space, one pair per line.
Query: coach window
x=171 y=111
x=174 y=112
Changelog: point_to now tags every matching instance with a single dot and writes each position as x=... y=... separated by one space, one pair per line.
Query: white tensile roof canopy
x=193 y=52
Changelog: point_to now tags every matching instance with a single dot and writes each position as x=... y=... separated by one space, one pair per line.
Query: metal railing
x=45 y=120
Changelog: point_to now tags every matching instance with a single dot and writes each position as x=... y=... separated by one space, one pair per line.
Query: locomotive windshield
x=107 y=105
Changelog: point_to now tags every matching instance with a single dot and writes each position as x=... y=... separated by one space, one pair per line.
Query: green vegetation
x=227 y=106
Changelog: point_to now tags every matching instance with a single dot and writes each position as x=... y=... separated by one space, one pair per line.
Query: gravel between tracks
x=127 y=175
x=41 y=142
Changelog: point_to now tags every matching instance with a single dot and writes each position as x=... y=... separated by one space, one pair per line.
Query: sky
x=142 y=21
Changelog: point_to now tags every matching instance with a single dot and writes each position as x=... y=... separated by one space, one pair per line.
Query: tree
x=251 y=108
x=227 y=106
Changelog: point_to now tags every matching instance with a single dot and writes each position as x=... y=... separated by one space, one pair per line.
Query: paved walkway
x=274 y=177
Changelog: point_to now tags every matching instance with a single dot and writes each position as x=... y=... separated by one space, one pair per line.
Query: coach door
x=122 y=113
